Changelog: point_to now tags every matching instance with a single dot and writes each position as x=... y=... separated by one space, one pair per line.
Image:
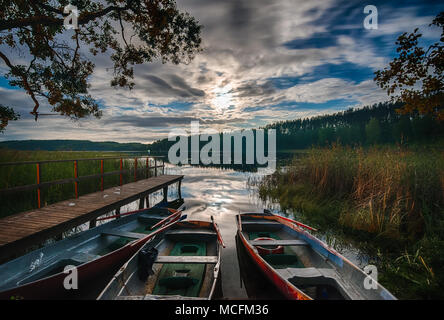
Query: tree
x=416 y=77
x=6 y=115
x=134 y=31
x=373 y=131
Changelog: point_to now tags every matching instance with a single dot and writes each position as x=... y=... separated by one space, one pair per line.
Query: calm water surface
x=223 y=193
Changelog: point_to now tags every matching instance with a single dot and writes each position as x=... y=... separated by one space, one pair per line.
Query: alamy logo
x=71 y=280
x=70 y=22
x=210 y=153
x=371 y=21
x=371 y=281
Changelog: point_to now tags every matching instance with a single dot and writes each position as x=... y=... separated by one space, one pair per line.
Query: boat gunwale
x=293 y=226
x=120 y=273
x=98 y=230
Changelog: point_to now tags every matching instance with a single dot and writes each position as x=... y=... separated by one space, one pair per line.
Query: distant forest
x=72 y=145
x=377 y=124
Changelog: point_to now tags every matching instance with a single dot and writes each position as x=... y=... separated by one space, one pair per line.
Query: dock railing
x=76 y=179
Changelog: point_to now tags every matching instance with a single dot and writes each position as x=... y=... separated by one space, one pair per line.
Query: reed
x=395 y=192
x=388 y=199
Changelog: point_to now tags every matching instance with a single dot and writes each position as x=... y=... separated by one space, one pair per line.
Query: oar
x=299 y=223
x=167 y=218
x=219 y=236
x=168 y=225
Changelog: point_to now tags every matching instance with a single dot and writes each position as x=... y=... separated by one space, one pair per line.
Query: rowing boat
x=301 y=266
x=183 y=264
x=41 y=274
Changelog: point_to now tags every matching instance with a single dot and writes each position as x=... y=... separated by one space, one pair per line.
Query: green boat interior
x=297 y=262
x=184 y=267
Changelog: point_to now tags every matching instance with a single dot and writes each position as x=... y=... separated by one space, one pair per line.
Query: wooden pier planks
x=32 y=227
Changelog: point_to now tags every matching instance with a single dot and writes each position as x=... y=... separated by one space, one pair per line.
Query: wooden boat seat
x=319 y=276
x=187 y=259
x=191 y=235
x=261 y=225
x=278 y=242
x=125 y=234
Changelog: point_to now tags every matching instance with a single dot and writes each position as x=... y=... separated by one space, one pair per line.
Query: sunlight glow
x=222 y=97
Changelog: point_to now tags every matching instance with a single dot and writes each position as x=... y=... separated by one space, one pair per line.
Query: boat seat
x=261 y=225
x=187 y=259
x=319 y=276
x=278 y=242
x=191 y=235
x=125 y=234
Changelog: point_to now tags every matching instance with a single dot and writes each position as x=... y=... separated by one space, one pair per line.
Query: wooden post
x=92 y=223
x=121 y=168
x=38 y=182
x=163 y=167
x=101 y=172
x=141 y=203
x=180 y=189
x=135 y=169
x=155 y=167
x=147 y=167
x=147 y=201
x=76 y=175
x=165 y=193
x=118 y=213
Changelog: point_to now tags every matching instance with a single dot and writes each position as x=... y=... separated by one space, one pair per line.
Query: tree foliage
x=416 y=77
x=57 y=67
x=6 y=115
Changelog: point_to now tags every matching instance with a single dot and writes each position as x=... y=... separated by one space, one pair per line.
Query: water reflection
x=223 y=193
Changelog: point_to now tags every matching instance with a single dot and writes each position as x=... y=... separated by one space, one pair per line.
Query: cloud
x=262 y=61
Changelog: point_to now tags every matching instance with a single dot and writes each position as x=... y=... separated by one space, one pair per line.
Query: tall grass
x=398 y=193
x=388 y=198
x=25 y=174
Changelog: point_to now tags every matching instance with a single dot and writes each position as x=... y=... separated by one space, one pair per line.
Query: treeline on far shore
x=370 y=125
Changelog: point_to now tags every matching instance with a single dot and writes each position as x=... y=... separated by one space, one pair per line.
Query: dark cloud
x=253 y=89
x=180 y=88
x=145 y=122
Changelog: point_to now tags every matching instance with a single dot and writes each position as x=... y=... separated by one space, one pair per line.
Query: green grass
x=388 y=200
x=25 y=174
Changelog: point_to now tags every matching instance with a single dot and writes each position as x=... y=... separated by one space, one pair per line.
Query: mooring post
x=121 y=168
x=147 y=201
x=92 y=223
x=141 y=203
x=155 y=167
x=118 y=213
x=76 y=175
x=101 y=173
x=147 y=167
x=135 y=169
x=38 y=182
x=165 y=193
x=179 y=189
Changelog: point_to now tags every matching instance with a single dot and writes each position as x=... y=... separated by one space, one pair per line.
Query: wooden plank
x=34 y=226
x=278 y=243
x=186 y=259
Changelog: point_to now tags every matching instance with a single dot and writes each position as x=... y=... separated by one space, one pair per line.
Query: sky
x=262 y=61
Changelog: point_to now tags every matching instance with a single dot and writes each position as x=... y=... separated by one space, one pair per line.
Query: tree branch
x=51 y=21
x=25 y=83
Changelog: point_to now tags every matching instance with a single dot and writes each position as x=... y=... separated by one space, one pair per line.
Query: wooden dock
x=20 y=231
